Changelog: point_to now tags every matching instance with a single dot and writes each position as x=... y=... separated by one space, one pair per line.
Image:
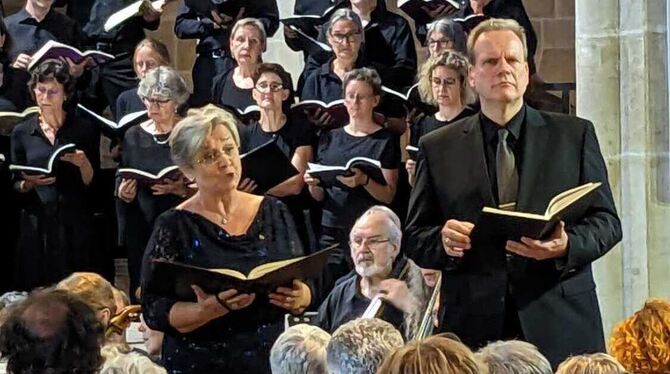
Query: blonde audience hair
x=596 y=363
x=452 y=60
x=495 y=24
x=434 y=355
x=93 y=289
x=641 y=343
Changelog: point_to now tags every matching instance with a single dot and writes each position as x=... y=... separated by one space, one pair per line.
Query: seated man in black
x=375 y=244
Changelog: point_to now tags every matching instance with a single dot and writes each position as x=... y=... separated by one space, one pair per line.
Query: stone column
x=622 y=87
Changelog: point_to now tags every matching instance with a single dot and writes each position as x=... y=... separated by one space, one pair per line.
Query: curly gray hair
x=301 y=349
x=360 y=346
x=513 y=357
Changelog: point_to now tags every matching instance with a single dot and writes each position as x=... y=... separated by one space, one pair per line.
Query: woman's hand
x=290 y=33
x=22 y=61
x=358 y=179
x=77 y=70
x=127 y=190
x=169 y=186
x=151 y=14
x=77 y=158
x=320 y=118
x=310 y=181
x=30 y=181
x=410 y=166
x=247 y=185
x=295 y=299
x=213 y=306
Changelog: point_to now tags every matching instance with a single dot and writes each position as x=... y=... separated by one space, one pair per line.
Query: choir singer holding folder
x=542 y=290
x=220 y=227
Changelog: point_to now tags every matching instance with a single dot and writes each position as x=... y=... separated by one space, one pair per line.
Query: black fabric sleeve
x=188 y=25
x=390 y=157
x=267 y=12
x=595 y=234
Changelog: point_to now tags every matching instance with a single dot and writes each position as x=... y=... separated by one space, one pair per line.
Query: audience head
x=641 y=343
x=359 y=346
x=596 y=363
x=498 y=62
x=513 y=357
x=478 y=5
x=52 y=331
x=248 y=41
x=153 y=339
x=205 y=146
x=445 y=34
x=272 y=86
x=51 y=84
x=375 y=241
x=163 y=91
x=301 y=349
x=345 y=34
x=362 y=92
x=434 y=355
x=443 y=80
x=149 y=54
x=95 y=291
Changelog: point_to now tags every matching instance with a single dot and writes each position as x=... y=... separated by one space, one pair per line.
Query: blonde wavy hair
x=596 y=363
x=452 y=60
x=641 y=343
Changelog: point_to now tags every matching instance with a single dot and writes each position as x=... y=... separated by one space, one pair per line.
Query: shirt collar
x=327 y=68
x=24 y=16
x=514 y=125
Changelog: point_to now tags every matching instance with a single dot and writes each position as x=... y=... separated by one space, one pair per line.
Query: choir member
x=442 y=82
x=292 y=133
x=56 y=220
x=445 y=34
x=211 y=22
x=350 y=196
x=145 y=147
x=375 y=251
x=149 y=54
x=220 y=226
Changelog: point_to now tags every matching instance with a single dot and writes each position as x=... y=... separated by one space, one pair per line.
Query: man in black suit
x=541 y=291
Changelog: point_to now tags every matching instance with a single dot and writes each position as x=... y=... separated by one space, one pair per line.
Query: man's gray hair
x=301 y=349
x=163 y=83
x=188 y=138
x=360 y=346
x=513 y=357
x=255 y=22
x=393 y=226
x=346 y=14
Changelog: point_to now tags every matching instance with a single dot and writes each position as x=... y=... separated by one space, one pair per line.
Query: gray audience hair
x=346 y=14
x=164 y=82
x=301 y=349
x=393 y=227
x=360 y=346
x=250 y=21
x=190 y=134
x=513 y=357
x=367 y=75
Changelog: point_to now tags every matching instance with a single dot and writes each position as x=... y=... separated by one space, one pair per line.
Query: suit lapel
x=475 y=165
x=535 y=153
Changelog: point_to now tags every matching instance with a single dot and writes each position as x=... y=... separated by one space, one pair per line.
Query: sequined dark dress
x=240 y=341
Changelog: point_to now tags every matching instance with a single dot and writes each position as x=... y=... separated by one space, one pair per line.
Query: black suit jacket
x=555 y=299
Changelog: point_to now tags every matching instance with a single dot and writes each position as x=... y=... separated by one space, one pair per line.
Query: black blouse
x=295 y=133
x=239 y=342
x=429 y=123
x=342 y=205
x=128 y=102
x=225 y=92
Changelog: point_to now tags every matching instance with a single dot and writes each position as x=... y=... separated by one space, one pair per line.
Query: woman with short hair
x=55 y=236
x=145 y=147
x=220 y=226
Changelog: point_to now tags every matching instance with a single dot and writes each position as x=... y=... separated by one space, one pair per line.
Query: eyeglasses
x=439 y=42
x=373 y=243
x=351 y=37
x=149 y=102
x=357 y=98
x=443 y=82
x=48 y=92
x=269 y=87
x=211 y=156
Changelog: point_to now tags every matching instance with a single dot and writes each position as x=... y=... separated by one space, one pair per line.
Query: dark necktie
x=506 y=174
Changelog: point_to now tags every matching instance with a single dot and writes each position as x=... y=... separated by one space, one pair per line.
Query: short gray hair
x=360 y=346
x=513 y=357
x=189 y=135
x=165 y=83
x=393 y=224
x=367 y=75
x=301 y=349
x=346 y=14
x=250 y=21
x=452 y=30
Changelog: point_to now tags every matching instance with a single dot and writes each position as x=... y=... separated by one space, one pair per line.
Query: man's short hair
x=596 y=363
x=52 y=331
x=513 y=357
x=301 y=349
x=495 y=24
x=360 y=346
x=394 y=227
